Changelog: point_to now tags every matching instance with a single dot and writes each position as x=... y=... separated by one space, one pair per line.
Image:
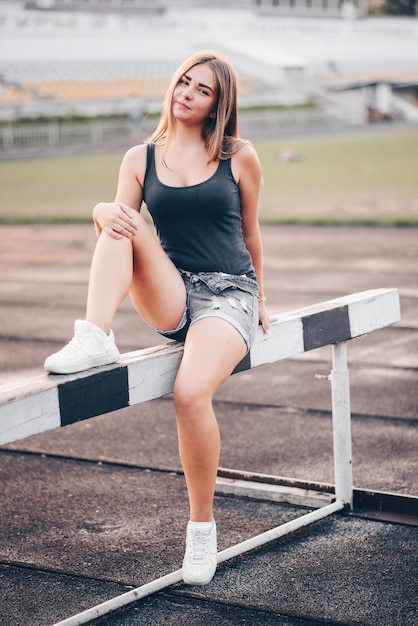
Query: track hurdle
x=42 y=403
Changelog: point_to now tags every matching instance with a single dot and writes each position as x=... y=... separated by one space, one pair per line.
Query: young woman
x=198 y=281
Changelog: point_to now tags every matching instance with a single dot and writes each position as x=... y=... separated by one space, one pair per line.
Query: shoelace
x=199 y=545
x=76 y=341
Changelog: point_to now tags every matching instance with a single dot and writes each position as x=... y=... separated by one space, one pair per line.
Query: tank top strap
x=225 y=168
x=225 y=164
x=150 y=159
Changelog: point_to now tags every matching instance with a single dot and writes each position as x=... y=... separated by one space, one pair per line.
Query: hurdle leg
x=341 y=424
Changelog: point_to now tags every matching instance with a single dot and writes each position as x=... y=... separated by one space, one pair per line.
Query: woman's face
x=195 y=96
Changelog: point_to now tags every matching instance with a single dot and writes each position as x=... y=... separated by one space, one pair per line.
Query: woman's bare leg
x=212 y=349
x=139 y=265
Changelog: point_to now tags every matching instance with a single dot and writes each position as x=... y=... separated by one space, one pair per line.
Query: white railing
x=15 y=137
x=51 y=134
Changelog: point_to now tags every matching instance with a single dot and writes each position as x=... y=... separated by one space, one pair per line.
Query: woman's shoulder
x=239 y=150
x=136 y=152
x=135 y=160
x=245 y=158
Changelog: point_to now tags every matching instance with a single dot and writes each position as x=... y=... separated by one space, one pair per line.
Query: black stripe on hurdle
x=326 y=327
x=243 y=365
x=94 y=395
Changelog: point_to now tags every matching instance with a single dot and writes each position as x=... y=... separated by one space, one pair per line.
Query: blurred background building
x=97 y=70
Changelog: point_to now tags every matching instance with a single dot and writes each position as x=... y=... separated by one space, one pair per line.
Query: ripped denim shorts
x=216 y=294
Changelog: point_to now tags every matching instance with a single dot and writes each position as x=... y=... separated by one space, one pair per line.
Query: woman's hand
x=116 y=219
x=263 y=316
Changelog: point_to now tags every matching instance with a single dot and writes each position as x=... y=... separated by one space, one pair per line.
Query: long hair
x=220 y=130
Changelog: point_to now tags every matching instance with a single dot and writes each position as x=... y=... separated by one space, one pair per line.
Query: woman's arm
x=117 y=218
x=247 y=171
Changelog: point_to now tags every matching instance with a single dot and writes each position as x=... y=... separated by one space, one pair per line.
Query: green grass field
x=364 y=178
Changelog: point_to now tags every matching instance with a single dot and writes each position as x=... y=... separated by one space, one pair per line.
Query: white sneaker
x=89 y=347
x=199 y=564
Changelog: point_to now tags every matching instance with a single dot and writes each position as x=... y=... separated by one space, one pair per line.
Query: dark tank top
x=199 y=226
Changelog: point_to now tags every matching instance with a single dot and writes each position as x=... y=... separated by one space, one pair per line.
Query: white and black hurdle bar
x=46 y=402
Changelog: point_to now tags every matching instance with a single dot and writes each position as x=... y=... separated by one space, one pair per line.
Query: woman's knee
x=114 y=243
x=190 y=397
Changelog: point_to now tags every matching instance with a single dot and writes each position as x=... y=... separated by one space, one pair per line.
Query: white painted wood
x=284 y=340
x=29 y=415
x=152 y=373
x=26 y=409
x=376 y=309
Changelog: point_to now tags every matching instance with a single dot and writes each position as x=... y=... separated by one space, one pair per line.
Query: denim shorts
x=216 y=294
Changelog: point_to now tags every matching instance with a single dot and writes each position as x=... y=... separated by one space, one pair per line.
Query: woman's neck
x=187 y=134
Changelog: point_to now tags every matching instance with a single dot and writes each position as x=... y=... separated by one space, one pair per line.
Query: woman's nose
x=186 y=93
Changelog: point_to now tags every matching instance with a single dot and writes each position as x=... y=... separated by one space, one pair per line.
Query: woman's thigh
x=157 y=291
x=239 y=308
x=212 y=349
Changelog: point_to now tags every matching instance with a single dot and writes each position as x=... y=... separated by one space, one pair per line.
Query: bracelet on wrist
x=261 y=298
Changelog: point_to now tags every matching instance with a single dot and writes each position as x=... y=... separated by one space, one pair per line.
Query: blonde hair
x=220 y=130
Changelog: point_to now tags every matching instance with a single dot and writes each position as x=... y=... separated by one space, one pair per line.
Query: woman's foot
x=200 y=559
x=90 y=347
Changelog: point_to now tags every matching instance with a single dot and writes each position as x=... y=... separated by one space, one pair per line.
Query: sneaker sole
x=71 y=369
x=189 y=580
